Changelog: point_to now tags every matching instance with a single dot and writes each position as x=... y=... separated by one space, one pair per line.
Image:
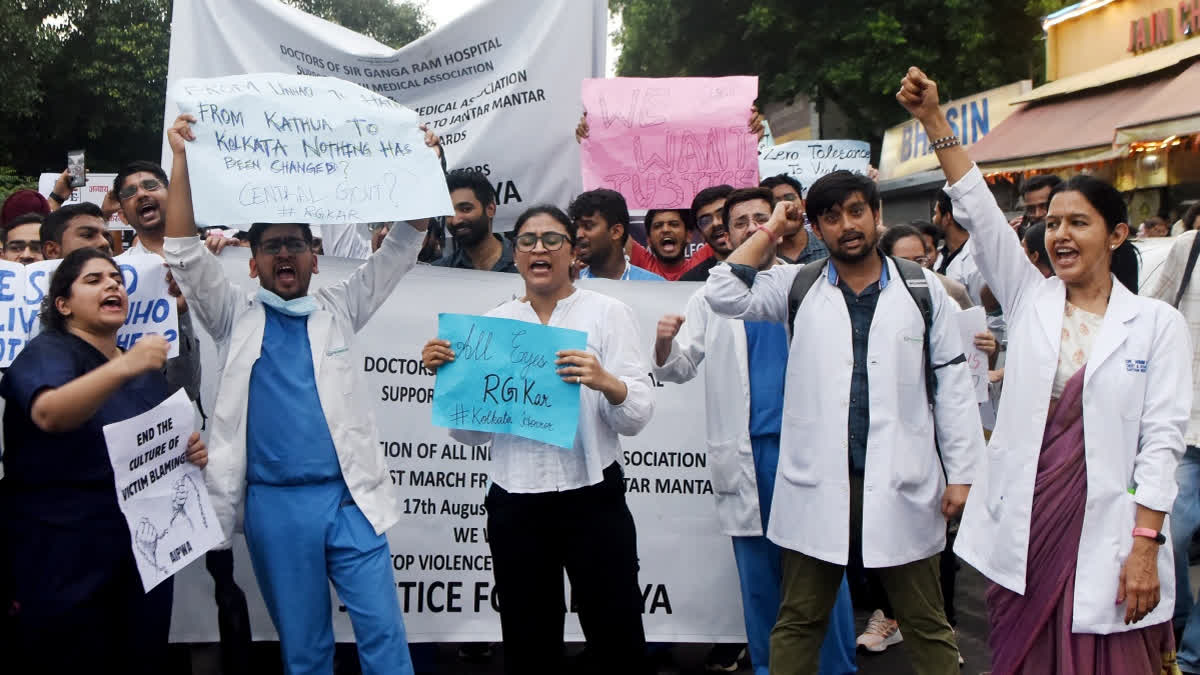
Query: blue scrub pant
x=1184 y=521
x=760 y=574
x=304 y=536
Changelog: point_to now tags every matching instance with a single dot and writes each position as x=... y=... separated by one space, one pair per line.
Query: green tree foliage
x=395 y=24
x=92 y=74
x=851 y=52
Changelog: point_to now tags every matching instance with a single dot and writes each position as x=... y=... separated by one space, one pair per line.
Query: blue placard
x=503 y=379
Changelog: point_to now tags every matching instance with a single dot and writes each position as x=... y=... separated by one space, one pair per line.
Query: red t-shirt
x=643 y=258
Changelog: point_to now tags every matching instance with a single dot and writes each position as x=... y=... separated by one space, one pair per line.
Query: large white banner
x=500 y=84
x=441 y=560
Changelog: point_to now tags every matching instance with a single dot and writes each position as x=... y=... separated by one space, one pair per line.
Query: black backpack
x=918 y=288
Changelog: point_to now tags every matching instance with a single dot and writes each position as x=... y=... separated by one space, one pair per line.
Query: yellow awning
x=1115 y=72
x=1157 y=131
x=1056 y=161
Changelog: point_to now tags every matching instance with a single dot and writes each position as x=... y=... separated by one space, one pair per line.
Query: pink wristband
x=1149 y=534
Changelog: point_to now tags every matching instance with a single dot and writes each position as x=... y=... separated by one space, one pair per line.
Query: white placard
x=499 y=84
x=441 y=560
x=971 y=322
x=151 y=309
x=162 y=495
x=279 y=148
x=806 y=161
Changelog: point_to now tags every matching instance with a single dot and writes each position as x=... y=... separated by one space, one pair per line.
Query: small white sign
x=806 y=161
x=971 y=322
x=162 y=494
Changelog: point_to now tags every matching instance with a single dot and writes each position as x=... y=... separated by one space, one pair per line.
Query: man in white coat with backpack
x=743 y=411
x=881 y=437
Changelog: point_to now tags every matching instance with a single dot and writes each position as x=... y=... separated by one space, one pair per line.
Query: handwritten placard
x=162 y=495
x=971 y=322
x=151 y=309
x=806 y=161
x=503 y=379
x=660 y=141
x=279 y=148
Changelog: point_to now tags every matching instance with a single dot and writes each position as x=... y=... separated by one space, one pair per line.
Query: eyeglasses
x=552 y=241
x=18 y=246
x=706 y=220
x=921 y=260
x=149 y=185
x=375 y=227
x=759 y=219
x=294 y=245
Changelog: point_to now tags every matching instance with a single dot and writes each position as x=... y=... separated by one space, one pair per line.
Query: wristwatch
x=1148 y=533
x=56 y=197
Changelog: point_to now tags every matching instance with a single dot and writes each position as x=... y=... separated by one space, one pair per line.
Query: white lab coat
x=727 y=409
x=1136 y=397
x=235 y=320
x=964 y=270
x=903 y=481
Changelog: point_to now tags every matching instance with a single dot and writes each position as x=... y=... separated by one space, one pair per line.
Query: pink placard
x=659 y=141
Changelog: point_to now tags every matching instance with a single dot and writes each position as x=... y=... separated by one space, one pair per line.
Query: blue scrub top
x=287 y=438
x=767 y=349
x=65 y=477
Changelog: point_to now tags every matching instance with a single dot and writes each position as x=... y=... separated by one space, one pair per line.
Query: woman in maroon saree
x=1067 y=516
x=1035 y=628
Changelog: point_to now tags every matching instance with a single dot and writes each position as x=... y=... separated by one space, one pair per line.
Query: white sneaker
x=880 y=634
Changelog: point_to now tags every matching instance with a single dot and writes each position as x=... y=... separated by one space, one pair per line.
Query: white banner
x=151 y=309
x=806 y=161
x=162 y=495
x=441 y=560
x=98 y=185
x=500 y=84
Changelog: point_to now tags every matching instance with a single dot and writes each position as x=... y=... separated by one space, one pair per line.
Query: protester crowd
x=852 y=463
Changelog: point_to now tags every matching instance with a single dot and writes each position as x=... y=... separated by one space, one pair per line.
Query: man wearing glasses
x=292 y=448
x=800 y=247
x=23 y=239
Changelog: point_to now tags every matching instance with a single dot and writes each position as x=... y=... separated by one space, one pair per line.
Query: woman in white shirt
x=1067 y=519
x=551 y=509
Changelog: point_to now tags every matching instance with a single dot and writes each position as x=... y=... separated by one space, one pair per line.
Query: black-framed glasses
x=294 y=245
x=18 y=246
x=149 y=185
x=706 y=220
x=375 y=227
x=552 y=241
x=759 y=219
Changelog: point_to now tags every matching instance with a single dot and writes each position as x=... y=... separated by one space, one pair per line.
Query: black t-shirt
x=700 y=272
x=65 y=474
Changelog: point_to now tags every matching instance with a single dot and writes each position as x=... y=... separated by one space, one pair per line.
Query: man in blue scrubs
x=293 y=437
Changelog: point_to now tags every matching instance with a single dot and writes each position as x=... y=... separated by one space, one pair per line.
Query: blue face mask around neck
x=302 y=306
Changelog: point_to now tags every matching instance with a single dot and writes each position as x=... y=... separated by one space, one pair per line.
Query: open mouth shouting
x=1065 y=255
x=669 y=246
x=852 y=240
x=148 y=211
x=285 y=273
x=112 y=303
x=720 y=236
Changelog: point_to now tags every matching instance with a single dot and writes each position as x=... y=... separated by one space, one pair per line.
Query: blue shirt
x=767 y=348
x=862 y=310
x=287 y=439
x=813 y=251
x=632 y=273
x=65 y=476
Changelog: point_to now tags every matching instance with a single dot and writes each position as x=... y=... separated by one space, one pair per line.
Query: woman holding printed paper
x=78 y=603
x=1067 y=520
x=551 y=508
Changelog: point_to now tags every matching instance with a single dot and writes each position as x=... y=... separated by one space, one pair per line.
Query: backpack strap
x=805 y=278
x=918 y=287
x=1187 y=270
